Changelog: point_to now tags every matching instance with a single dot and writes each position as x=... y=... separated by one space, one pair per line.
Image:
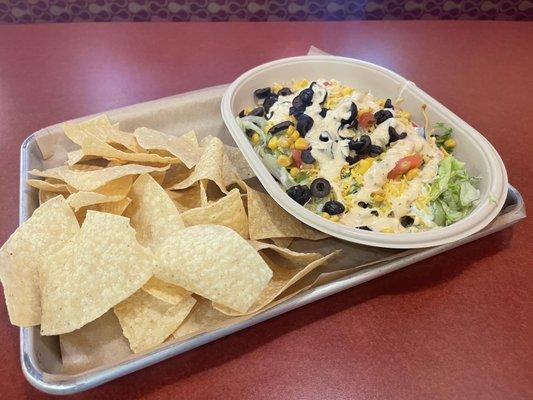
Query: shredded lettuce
x=445 y=133
x=277 y=171
x=452 y=194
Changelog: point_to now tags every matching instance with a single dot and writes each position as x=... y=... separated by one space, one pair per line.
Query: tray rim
x=63 y=384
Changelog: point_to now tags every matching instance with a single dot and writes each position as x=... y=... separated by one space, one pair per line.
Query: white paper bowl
x=481 y=158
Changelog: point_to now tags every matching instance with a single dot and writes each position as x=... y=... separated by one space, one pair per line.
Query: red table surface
x=456 y=326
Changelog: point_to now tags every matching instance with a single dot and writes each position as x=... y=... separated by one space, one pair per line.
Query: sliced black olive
x=285 y=91
x=249 y=132
x=282 y=126
x=362 y=204
x=394 y=135
x=365 y=147
x=333 y=207
x=382 y=115
x=364 y=228
x=320 y=187
x=304 y=124
x=262 y=93
x=269 y=102
x=242 y=114
x=306 y=96
x=324 y=136
x=355 y=144
x=257 y=112
x=374 y=212
x=297 y=102
x=352 y=117
x=354 y=124
x=307 y=157
x=352 y=159
x=375 y=150
x=388 y=104
x=406 y=221
x=299 y=193
x=323 y=112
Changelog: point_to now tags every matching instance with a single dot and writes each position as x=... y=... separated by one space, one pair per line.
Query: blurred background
x=43 y=11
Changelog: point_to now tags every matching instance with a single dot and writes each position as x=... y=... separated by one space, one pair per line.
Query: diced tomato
x=297 y=157
x=366 y=119
x=405 y=164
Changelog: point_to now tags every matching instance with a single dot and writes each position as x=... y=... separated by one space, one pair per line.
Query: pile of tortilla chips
x=162 y=230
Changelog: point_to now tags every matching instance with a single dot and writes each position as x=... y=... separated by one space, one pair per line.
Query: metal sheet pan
x=41 y=358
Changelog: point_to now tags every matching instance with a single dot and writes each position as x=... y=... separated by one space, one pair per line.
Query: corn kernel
x=295 y=135
x=248 y=110
x=273 y=143
x=276 y=87
x=255 y=138
x=345 y=91
x=294 y=172
x=387 y=230
x=284 y=161
x=335 y=218
x=378 y=196
x=289 y=131
x=284 y=142
x=325 y=215
x=301 y=144
x=412 y=174
x=300 y=84
x=292 y=146
x=450 y=143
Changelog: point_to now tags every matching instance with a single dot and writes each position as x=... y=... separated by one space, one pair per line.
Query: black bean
x=362 y=204
x=364 y=228
x=388 y=104
x=382 y=115
x=333 y=207
x=282 y=126
x=307 y=157
x=323 y=112
x=299 y=193
x=406 y=221
x=352 y=159
x=242 y=114
x=306 y=96
x=262 y=93
x=296 y=111
x=269 y=102
x=374 y=212
x=258 y=112
x=285 y=91
x=375 y=150
x=304 y=124
x=320 y=187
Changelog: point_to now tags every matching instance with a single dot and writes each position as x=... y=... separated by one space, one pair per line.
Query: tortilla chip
x=93 y=146
x=147 y=321
x=113 y=191
x=214 y=262
x=47 y=186
x=238 y=161
x=175 y=174
x=209 y=167
x=165 y=291
x=283 y=242
x=94 y=179
x=74 y=157
x=46 y=231
x=282 y=279
x=228 y=211
x=116 y=207
x=152 y=213
x=268 y=220
x=98 y=343
x=202 y=316
x=98 y=268
x=299 y=259
x=45 y=195
x=186 y=199
x=230 y=176
x=183 y=147
x=101 y=128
